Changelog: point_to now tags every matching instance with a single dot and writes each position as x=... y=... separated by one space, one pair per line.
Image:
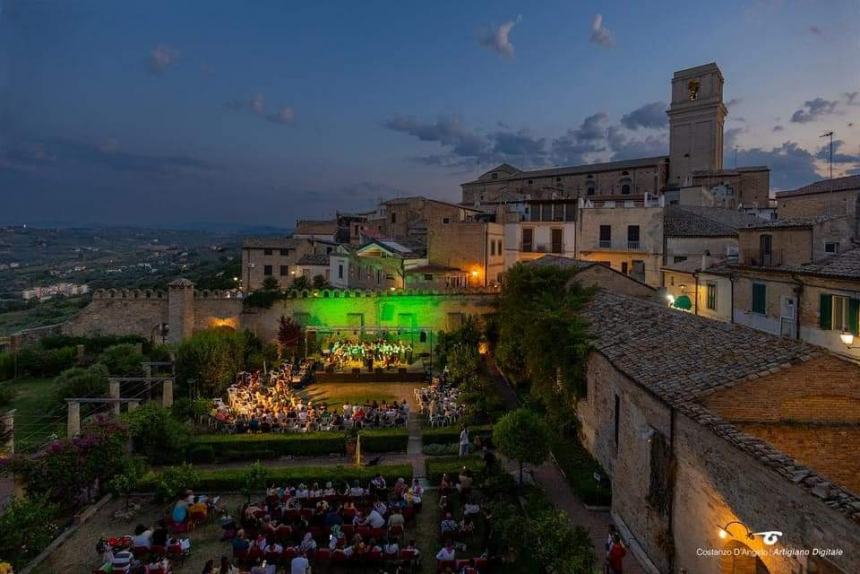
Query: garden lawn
x=37 y=415
x=338 y=394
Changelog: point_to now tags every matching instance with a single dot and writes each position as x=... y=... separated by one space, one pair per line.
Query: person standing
x=464 y=441
x=615 y=557
x=300 y=565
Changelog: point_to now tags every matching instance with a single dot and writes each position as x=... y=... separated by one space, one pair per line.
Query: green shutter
x=854 y=316
x=825 y=313
x=759 y=298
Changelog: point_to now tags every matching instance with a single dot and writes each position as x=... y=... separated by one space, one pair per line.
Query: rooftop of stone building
x=679 y=356
x=843 y=265
x=560 y=261
x=314 y=259
x=846 y=183
x=570 y=169
x=699 y=221
x=270 y=242
x=805 y=221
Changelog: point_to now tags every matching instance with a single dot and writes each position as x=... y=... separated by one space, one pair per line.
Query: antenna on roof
x=829 y=135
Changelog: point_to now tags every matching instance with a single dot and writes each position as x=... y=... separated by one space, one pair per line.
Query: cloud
x=730 y=137
x=61 y=153
x=852 y=98
x=814 y=109
x=624 y=147
x=161 y=58
x=648 y=116
x=499 y=39
x=790 y=165
x=449 y=131
x=600 y=34
x=815 y=30
x=577 y=143
x=519 y=143
x=285 y=115
x=733 y=102
x=778 y=128
x=256 y=105
x=824 y=153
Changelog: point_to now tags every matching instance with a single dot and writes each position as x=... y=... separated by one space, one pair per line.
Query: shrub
x=579 y=468
x=438 y=449
x=384 y=440
x=186 y=409
x=170 y=482
x=254 y=480
x=82 y=382
x=26 y=528
x=156 y=434
x=123 y=360
x=38 y=362
x=231 y=479
x=448 y=435
x=7 y=395
x=436 y=467
x=201 y=454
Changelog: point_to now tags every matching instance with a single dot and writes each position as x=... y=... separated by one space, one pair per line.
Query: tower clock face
x=693 y=90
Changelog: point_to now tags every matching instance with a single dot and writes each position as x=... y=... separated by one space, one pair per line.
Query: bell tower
x=696 y=119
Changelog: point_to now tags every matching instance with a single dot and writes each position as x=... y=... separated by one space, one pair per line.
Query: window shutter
x=759 y=302
x=854 y=316
x=825 y=313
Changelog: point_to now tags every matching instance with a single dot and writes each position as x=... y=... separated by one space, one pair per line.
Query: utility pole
x=829 y=135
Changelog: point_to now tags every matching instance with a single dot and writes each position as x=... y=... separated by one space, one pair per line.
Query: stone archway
x=741 y=559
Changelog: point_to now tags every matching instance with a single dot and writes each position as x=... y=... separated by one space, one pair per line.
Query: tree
x=156 y=434
x=81 y=382
x=300 y=283
x=211 y=359
x=289 y=335
x=175 y=479
x=270 y=284
x=123 y=360
x=254 y=480
x=522 y=436
x=124 y=483
x=320 y=282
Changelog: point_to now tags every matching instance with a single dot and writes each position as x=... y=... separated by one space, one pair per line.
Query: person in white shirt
x=300 y=565
x=374 y=519
x=464 y=441
x=302 y=491
x=356 y=489
x=329 y=489
x=142 y=537
x=447 y=552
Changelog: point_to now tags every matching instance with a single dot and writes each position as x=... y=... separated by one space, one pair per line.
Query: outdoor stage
x=414 y=373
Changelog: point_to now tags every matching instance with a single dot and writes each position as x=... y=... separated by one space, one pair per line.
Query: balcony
x=759 y=258
x=634 y=245
x=605 y=244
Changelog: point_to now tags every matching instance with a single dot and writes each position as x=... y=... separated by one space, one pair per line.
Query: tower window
x=693 y=90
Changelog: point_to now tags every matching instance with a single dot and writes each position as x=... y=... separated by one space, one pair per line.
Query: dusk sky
x=122 y=112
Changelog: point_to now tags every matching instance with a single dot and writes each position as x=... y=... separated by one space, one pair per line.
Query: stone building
x=625 y=234
x=708 y=432
x=279 y=257
x=535 y=227
x=839 y=196
x=476 y=247
x=696 y=122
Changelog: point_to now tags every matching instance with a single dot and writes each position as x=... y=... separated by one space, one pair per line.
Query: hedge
x=231 y=479
x=446 y=435
x=436 y=467
x=237 y=447
x=579 y=468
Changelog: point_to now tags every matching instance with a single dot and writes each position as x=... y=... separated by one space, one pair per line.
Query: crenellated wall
x=186 y=310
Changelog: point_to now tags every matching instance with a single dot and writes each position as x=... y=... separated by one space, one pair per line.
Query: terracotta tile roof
x=560 y=261
x=844 y=265
x=824 y=186
x=314 y=259
x=679 y=356
x=696 y=221
x=576 y=169
x=271 y=242
x=807 y=221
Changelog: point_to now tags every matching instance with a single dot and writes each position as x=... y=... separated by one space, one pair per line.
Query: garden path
x=550 y=478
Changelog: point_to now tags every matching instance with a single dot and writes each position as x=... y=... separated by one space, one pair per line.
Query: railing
x=634 y=245
x=759 y=258
x=605 y=244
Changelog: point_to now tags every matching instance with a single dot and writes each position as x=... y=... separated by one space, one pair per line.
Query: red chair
x=292 y=515
x=158 y=551
x=364 y=531
x=338 y=556
x=441 y=565
x=306 y=513
x=140 y=551
x=283 y=533
x=174 y=551
x=241 y=554
x=408 y=555
x=482 y=564
x=322 y=555
x=348 y=531
x=463 y=563
x=290 y=553
x=273 y=557
x=377 y=533
x=395 y=532
x=374 y=556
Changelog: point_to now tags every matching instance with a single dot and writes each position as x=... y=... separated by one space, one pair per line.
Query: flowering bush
x=72 y=471
x=26 y=529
